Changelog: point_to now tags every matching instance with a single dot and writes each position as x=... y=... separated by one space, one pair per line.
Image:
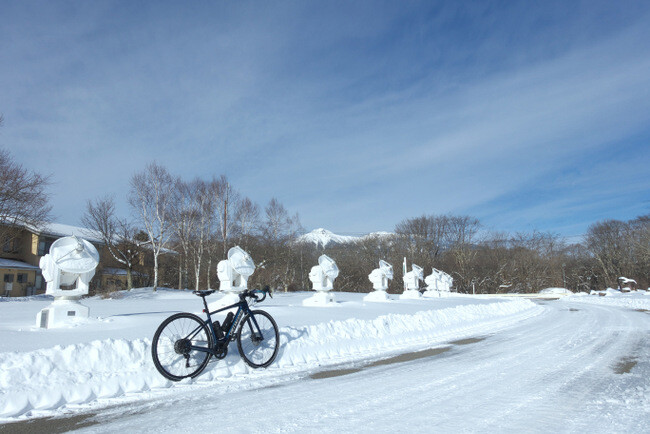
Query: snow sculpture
x=447 y=282
x=322 y=278
x=438 y=284
x=379 y=278
x=412 y=282
x=233 y=274
x=67 y=269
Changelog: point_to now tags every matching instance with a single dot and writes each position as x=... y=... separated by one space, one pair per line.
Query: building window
x=9 y=278
x=21 y=278
x=11 y=245
x=39 y=281
x=44 y=245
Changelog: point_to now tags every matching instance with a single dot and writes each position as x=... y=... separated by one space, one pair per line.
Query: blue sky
x=356 y=115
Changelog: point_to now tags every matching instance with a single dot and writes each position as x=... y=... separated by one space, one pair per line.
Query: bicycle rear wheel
x=172 y=344
x=258 y=339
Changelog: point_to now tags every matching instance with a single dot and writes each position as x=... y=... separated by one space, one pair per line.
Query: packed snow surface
x=559 y=291
x=613 y=297
x=108 y=355
x=577 y=364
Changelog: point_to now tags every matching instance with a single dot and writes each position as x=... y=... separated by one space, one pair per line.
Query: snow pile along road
x=630 y=300
x=37 y=382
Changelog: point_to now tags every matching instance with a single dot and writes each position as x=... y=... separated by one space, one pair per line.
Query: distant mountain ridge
x=323 y=237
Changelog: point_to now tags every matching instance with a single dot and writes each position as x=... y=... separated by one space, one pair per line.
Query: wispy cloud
x=354 y=115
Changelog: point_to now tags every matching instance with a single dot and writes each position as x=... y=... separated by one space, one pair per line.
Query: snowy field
x=101 y=364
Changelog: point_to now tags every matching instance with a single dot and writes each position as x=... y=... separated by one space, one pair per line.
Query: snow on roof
x=10 y=263
x=626 y=280
x=62 y=230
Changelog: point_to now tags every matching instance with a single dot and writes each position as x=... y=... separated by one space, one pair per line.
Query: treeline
x=498 y=262
x=180 y=229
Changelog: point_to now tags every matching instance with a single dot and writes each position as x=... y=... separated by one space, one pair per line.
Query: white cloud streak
x=356 y=119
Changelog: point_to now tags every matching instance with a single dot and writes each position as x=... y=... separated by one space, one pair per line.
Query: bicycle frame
x=242 y=310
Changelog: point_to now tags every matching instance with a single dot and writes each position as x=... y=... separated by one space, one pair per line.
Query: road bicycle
x=184 y=342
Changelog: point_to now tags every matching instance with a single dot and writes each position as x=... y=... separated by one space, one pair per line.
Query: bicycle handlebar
x=252 y=293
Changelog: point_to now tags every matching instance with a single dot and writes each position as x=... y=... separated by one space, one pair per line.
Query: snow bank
x=558 y=291
x=40 y=381
x=632 y=300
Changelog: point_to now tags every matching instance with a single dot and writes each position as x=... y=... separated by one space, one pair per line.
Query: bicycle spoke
x=258 y=340
x=172 y=347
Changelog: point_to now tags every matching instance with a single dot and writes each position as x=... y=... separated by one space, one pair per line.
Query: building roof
x=10 y=263
x=61 y=230
x=57 y=230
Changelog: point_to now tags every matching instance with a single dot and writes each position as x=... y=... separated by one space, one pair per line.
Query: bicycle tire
x=258 y=352
x=170 y=346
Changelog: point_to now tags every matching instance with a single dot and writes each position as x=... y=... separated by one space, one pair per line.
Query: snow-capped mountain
x=323 y=237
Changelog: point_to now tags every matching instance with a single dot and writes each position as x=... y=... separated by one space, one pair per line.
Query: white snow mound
x=51 y=379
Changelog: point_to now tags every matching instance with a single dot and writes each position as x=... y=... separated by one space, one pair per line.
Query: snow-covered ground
x=105 y=362
x=612 y=297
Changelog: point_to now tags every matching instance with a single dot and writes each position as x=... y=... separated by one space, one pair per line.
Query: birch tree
x=150 y=197
x=183 y=220
x=202 y=206
x=226 y=199
x=247 y=218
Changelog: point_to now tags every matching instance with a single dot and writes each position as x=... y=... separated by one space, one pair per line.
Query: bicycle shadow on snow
x=171 y=312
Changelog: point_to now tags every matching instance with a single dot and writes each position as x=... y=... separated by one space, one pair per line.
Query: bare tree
x=621 y=248
x=183 y=219
x=639 y=240
x=606 y=241
x=461 y=230
x=279 y=225
x=23 y=200
x=425 y=236
x=117 y=234
x=150 y=197
x=226 y=200
x=203 y=207
x=247 y=218
x=278 y=232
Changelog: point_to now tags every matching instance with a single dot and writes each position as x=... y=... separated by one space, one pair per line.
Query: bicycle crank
x=221 y=351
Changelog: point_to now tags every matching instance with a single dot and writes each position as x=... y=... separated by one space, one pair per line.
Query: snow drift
x=45 y=380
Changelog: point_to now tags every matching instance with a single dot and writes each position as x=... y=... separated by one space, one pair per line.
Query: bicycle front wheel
x=174 y=346
x=258 y=339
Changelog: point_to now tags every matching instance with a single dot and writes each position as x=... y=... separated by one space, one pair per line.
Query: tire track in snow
x=496 y=409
